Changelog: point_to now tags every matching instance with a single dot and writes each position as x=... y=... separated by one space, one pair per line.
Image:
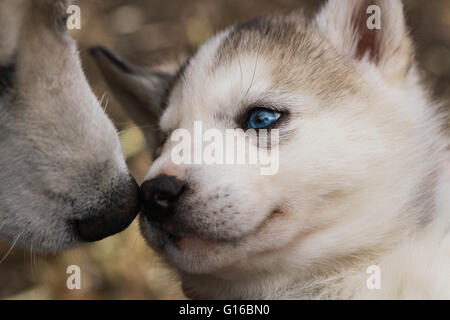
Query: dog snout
x=159 y=196
x=113 y=218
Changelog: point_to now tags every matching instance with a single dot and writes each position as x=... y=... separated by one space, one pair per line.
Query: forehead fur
x=297 y=55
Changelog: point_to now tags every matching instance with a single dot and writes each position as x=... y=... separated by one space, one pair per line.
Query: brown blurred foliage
x=154 y=32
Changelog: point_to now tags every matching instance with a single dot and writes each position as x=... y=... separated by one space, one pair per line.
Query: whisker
x=103 y=97
x=31 y=259
x=253 y=77
x=106 y=104
x=11 y=248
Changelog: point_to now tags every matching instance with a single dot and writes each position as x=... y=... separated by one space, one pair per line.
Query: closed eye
x=262 y=118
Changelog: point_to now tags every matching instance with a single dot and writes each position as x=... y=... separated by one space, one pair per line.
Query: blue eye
x=263 y=118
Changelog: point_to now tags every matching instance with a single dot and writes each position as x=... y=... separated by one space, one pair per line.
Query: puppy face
x=339 y=90
x=227 y=214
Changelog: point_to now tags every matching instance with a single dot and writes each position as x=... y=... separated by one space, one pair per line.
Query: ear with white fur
x=370 y=30
x=142 y=93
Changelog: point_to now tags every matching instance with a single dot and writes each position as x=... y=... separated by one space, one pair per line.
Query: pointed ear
x=370 y=30
x=140 y=92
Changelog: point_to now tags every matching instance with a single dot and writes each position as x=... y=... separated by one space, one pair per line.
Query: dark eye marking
x=6 y=78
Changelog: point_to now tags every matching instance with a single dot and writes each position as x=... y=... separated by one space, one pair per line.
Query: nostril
x=160 y=195
x=162 y=199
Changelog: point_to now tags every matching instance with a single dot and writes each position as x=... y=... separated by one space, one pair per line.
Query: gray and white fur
x=63 y=178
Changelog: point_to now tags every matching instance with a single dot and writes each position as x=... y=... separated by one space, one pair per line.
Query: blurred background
x=151 y=33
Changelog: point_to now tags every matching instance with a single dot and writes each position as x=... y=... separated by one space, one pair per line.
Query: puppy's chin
x=194 y=254
x=190 y=254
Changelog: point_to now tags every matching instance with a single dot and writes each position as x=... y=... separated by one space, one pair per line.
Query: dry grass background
x=152 y=32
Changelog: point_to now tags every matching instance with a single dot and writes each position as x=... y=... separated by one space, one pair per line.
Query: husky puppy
x=360 y=206
x=63 y=178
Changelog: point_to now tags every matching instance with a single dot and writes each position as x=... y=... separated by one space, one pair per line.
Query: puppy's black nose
x=159 y=196
x=116 y=215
